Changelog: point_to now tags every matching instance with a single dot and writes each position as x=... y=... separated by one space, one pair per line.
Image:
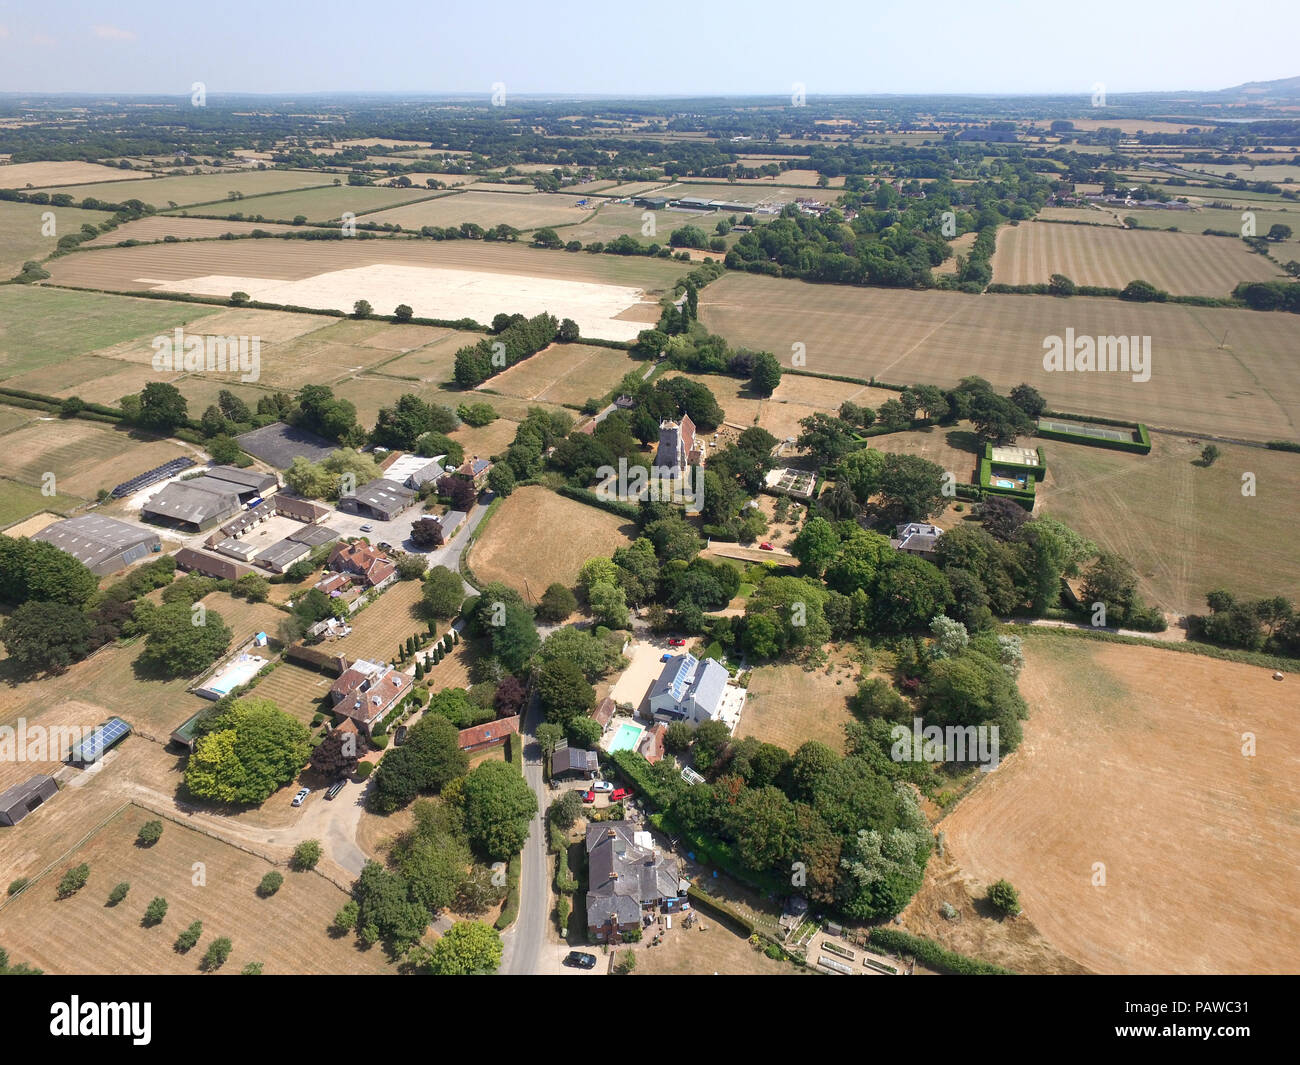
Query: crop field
x=528 y=211
x=163 y=192
x=535 y=538
x=379 y=629
x=1134 y=761
x=45 y=175
x=318 y=205
x=21 y=238
x=19 y=501
x=84 y=456
x=158 y=227
x=287 y=932
x=433 y=356
x=40 y=327
x=1180 y=525
x=1104 y=217
x=635 y=188
x=755 y=192
x=789 y=705
x=300 y=693
x=565 y=373
x=1181 y=263
x=1228 y=221
x=1249 y=388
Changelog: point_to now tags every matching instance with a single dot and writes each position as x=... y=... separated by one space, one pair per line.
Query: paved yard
x=643 y=667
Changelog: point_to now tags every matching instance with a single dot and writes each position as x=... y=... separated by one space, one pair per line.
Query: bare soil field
x=1249 y=388
x=164 y=192
x=287 y=932
x=1181 y=263
x=535 y=538
x=44 y=175
x=1136 y=762
x=789 y=705
x=83 y=456
x=436 y=280
x=1180 y=524
x=487 y=209
x=565 y=373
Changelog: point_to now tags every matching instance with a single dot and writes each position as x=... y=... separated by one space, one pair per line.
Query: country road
x=525 y=941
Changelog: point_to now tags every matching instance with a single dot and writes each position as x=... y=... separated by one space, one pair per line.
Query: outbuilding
x=22 y=799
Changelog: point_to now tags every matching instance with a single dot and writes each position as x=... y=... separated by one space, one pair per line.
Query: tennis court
x=1099 y=432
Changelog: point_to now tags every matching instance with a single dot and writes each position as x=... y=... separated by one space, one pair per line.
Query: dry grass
x=564 y=373
x=201 y=188
x=83 y=456
x=536 y=538
x=381 y=627
x=789 y=705
x=1249 y=388
x=1181 y=263
x=43 y=175
x=286 y=932
x=297 y=691
x=487 y=209
x=156 y=227
x=1133 y=758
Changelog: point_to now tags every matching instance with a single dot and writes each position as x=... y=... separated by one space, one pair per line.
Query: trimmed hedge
x=720 y=906
x=1282 y=445
x=511 y=909
x=613 y=506
x=933 y=955
x=1025 y=496
x=1139 y=446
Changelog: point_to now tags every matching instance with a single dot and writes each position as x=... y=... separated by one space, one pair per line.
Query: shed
x=22 y=799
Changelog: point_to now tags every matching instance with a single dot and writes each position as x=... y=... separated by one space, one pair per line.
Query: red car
x=676 y=641
x=765 y=546
x=620 y=793
x=589 y=796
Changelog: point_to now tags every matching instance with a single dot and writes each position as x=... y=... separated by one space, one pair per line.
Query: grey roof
x=94 y=539
x=197 y=501
x=567 y=759
x=248 y=518
x=686 y=676
x=282 y=553
x=20 y=793
x=623 y=876
x=383 y=494
x=710 y=683
x=245 y=480
x=314 y=535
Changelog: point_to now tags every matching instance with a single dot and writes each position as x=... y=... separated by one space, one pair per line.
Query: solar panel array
x=100 y=740
x=158 y=473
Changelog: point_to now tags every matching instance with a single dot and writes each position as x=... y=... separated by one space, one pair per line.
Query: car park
x=301 y=797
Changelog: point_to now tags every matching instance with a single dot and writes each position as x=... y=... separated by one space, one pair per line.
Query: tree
x=73 y=881
x=1002 y=517
x=1004 y=898
x=46 y=637
x=217 y=953
x=177 y=647
x=1278 y=232
x=515 y=640
x=566 y=809
x=253 y=968
x=1209 y=454
x=118 y=893
x=816 y=545
x=557 y=603
x=549 y=734
x=1060 y=285
x=189 y=938
x=764 y=824
x=306 y=855
x=345 y=920
x=155 y=911
x=162 y=408
x=427 y=532
x=608 y=605
x=711 y=739
x=765 y=375
x=443 y=593
x=584 y=732
x=403 y=313
x=911 y=488
x=429 y=759
x=270 y=884
x=594 y=656
x=362 y=309
x=150 y=833
x=238 y=299
x=1029 y=400
x=501 y=479
x=467 y=948
x=1111 y=581
x=563 y=691
x=35 y=570
x=498 y=807
x=250 y=749
x=568 y=332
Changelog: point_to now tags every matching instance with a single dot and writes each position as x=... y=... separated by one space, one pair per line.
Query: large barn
x=105 y=545
x=22 y=799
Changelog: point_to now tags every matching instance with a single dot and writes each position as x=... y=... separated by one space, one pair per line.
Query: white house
x=695 y=690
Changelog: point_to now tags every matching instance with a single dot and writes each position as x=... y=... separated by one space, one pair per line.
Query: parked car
x=335 y=788
x=399 y=736
x=676 y=641
x=765 y=546
x=601 y=785
x=301 y=797
x=619 y=794
x=384 y=546
x=580 y=959
x=367 y=527
x=588 y=796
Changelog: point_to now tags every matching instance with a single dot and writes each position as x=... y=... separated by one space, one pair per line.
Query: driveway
x=643 y=669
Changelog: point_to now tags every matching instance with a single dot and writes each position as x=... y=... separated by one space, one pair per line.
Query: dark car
x=580 y=959
x=335 y=788
x=399 y=736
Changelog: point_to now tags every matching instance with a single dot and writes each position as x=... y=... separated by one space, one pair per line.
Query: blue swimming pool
x=625 y=739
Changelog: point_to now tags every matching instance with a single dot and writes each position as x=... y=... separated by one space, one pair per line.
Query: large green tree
x=499 y=804
x=250 y=749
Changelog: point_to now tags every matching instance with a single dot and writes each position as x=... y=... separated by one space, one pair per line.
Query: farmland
x=1179 y=524
x=1181 y=263
x=565 y=373
x=46 y=174
x=1250 y=388
x=198 y=188
x=527 y=211
x=18 y=501
x=1135 y=761
x=317 y=205
x=536 y=538
x=286 y=932
x=21 y=236
x=161 y=226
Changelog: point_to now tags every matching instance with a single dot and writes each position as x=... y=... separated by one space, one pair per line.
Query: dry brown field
x=535 y=538
x=789 y=705
x=287 y=932
x=44 y=175
x=1181 y=263
x=161 y=192
x=23 y=231
x=1133 y=758
x=487 y=209
x=83 y=456
x=565 y=373
x=380 y=628
x=156 y=227
x=1249 y=388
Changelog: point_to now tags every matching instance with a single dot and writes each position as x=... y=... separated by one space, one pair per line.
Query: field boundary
x=1193 y=647
x=68 y=853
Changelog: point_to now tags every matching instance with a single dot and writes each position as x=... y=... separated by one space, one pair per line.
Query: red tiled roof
x=363 y=560
x=490 y=732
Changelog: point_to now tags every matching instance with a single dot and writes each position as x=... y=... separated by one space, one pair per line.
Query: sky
x=718 y=47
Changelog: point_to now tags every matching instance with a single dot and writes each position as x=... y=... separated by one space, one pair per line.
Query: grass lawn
x=789 y=705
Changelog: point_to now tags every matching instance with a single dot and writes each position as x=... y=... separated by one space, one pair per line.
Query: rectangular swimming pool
x=626 y=738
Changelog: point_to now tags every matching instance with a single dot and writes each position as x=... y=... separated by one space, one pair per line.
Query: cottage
x=362 y=560
x=695 y=690
x=916 y=538
x=628 y=878
x=575 y=762
x=490 y=734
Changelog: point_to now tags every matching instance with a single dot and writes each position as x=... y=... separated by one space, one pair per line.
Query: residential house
x=474 y=470
x=489 y=734
x=574 y=761
x=916 y=538
x=366 y=691
x=627 y=878
x=695 y=690
x=362 y=560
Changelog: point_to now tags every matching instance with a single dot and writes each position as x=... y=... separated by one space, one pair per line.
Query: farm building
x=628 y=877
x=693 y=203
x=362 y=560
x=413 y=471
x=104 y=545
x=22 y=799
x=249 y=484
x=248 y=519
x=695 y=690
x=313 y=535
x=235 y=549
x=102 y=738
x=574 y=761
x=197 y=505
x=380 y=499
x=210 y=566
x=653 y=203
x=491 y=734
x=916 y=538
x=282 y=554
x=303 y=510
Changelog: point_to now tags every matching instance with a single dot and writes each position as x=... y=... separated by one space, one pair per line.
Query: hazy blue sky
x=759 y=46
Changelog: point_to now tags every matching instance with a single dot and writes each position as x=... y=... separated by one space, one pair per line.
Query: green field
x=20 y=232
x=39 y=326
x=198 y=188
x=318 y=205
x=19 y=501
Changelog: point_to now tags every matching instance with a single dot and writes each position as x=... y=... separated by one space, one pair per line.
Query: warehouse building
x=198 y=505
x=22 y=799
x=248 y=484
x=104 y=545
x=281 y=555
x=380 y=499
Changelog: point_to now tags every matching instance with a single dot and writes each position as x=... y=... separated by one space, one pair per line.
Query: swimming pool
x=626 y=738
x=1001 y=483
